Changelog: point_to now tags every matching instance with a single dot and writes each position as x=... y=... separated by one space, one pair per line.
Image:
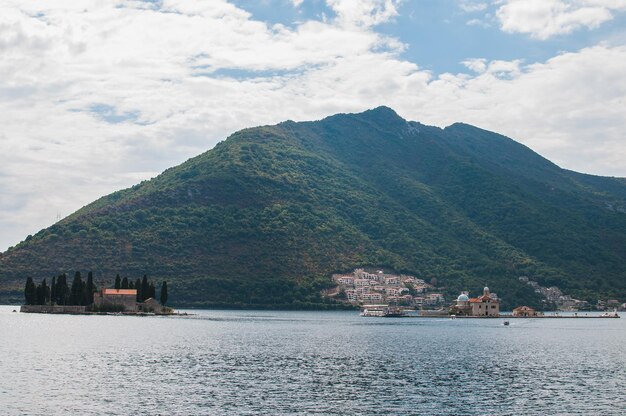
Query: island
x=83 y=297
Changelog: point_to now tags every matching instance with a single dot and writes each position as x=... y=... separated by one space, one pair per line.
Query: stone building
x=150 y=305
x=462 y=306
x=115 y=298
x=524 y=311
x=486 y=305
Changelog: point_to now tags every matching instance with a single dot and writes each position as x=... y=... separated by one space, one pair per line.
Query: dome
x=462 y=298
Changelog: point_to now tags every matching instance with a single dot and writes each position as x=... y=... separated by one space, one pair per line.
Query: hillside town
x=363 y=287
x=554 y=298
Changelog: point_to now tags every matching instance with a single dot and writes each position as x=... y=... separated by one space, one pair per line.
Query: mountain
x=266 y=216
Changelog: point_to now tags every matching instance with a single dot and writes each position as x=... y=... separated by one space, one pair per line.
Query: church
x=486 y=305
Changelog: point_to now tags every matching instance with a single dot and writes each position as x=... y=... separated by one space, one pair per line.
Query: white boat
x=610 y=314
x=382 y=311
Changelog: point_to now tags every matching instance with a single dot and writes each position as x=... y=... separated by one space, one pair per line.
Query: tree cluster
x=82 y=292
x=59 y=292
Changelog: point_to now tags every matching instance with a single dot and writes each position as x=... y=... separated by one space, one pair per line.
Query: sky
x=97 y=95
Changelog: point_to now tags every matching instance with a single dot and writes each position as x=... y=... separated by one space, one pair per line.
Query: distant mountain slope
x=267 y=215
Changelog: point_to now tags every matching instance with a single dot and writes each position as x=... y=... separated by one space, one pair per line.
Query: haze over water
x=265 y=362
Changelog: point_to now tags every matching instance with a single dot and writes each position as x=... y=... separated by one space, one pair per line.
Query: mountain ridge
x=285 y=206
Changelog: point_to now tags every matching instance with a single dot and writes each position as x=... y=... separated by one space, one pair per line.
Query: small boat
x=610 y=314
x=383 y=311
x=505 y=323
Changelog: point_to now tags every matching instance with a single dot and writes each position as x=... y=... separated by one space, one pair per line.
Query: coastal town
x=363 y=287
x=386 y=294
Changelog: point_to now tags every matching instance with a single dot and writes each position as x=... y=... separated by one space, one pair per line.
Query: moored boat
x=382 y=311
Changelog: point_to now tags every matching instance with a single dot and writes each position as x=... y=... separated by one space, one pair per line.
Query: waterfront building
x=124 y=298
x=462 y=307
x=524 y=311
x=485 y=305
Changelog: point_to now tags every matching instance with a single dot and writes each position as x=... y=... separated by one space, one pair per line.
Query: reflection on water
x=251 y=362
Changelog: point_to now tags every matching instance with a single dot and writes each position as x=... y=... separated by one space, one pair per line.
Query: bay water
x=300 y=363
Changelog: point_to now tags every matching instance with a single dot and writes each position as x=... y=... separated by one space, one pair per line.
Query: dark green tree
x=91 y=288
x=118 y=282
x=30 y=292
x=145 y=288
x=164 y=293
x=151 y=291
x=76 y=292
x=44 y=297
x=53 y=291
x=125 y=283
x=62 y=291
x=84 y=298
x=138 y=287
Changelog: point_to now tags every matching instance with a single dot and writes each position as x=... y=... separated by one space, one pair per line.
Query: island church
x=486 y=305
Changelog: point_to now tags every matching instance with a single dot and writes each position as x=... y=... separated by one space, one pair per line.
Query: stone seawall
x=52 y=309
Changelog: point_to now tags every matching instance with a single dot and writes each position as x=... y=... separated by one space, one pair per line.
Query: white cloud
x=297 y=3
x=364 y=12
x=543 y=19
x=469 y=6
x=96 y=96
x=478 y=22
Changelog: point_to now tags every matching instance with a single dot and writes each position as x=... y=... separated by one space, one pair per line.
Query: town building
x=524 y=311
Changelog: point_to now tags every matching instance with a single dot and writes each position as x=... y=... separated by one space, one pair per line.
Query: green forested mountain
x=267 y=215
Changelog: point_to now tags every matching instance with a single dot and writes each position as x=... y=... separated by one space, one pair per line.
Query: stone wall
x=52 y=309
x=128 y=303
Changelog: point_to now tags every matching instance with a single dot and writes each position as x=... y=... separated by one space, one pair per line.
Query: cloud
x=364 y=12
x=97 y=96
x=543 y=19
x=469 y=6
x=477 y=22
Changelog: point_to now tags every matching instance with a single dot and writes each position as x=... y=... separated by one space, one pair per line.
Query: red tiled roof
x=483 y=298
x=125 y=292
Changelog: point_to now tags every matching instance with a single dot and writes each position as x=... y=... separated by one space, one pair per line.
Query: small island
x=84 y=298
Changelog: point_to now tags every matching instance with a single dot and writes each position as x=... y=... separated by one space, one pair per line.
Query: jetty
x=385 y=312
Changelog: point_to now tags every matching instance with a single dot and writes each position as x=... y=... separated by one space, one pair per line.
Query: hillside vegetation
x=266 y=216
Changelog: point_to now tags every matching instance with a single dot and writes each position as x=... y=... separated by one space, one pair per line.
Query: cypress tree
x=76 y=293
x=131 y=285
x=138 y=287
x=45 y=292
x=84 y=298
x=53 y=291
x=30 y=292
x=90 y=289
x=125 y=283
x=152 y=292
x=38 y=295
x=145 y=288
x=118 y=283
x=62 y=290
x=164 y=293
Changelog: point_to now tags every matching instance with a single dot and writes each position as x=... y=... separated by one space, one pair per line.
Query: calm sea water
x=253 y=362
